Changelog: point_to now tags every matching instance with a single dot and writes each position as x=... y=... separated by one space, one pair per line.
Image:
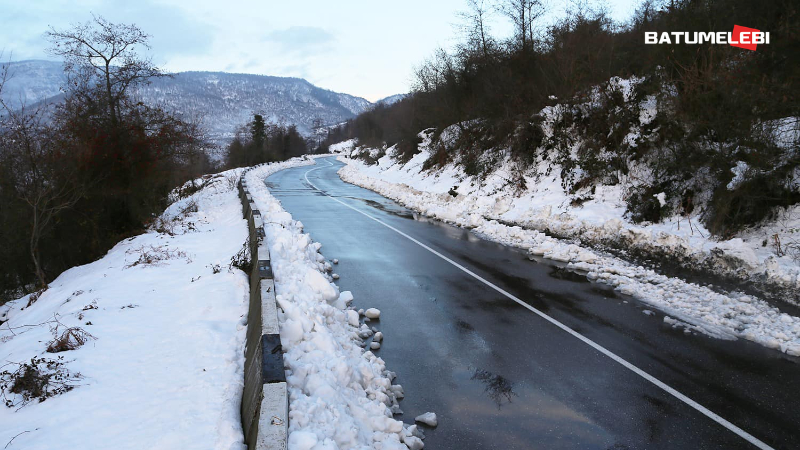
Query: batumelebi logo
x=742 y=37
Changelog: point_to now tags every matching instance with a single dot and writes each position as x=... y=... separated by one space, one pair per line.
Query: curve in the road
x=460 y=334
x=616 y=358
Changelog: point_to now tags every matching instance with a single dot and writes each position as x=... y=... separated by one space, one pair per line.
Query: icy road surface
x=499 y=375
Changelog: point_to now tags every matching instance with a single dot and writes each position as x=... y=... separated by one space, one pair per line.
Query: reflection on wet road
x=501 y=377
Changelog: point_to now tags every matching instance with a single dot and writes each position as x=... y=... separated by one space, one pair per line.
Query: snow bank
x=343 y=147
x=339 y=394
x=164 y=369
x=491 y=206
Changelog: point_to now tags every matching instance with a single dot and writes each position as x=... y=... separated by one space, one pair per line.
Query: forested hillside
x=706 y=131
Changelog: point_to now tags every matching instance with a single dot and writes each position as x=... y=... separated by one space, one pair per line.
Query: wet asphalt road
x=501 y=377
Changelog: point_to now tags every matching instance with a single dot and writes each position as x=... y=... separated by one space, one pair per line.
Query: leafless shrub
x=776 y=241
x=241 y=260
x=231 y=181
x=93 y=305
x=163 y=226
x=35 y=296
x=191 y=207
x=70 y=339
x=38 y=379
x=177 y=224
x=155 y=255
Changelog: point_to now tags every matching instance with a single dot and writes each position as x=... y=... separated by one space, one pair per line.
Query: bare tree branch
x=103 y=54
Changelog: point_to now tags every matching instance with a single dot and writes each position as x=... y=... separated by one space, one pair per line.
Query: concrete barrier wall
x=265 y=405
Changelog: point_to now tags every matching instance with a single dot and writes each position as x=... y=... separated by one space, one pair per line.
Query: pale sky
x=359 y=47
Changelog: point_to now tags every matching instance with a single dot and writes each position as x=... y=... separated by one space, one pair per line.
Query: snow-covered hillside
x=31 y=81
x=162 y=322
x=221 y=100
x=555 y=193
x=495 y=209
x=149 y=341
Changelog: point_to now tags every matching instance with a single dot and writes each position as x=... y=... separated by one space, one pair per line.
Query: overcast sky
x=360 y=47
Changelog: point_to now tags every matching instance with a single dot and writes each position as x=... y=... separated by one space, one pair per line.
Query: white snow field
x=162 y=367
x=339 y=394
x=493 y=209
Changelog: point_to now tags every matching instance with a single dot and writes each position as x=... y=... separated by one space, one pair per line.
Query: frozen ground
x=493 y=209
x=162 y=319
x=340 y=395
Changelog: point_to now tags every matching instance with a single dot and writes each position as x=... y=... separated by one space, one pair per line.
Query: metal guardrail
x=265 y=404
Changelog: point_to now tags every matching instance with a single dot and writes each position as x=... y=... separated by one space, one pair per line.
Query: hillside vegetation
x=706 y=130
x=79 y=175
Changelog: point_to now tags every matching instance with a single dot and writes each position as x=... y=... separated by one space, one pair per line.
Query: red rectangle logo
x=743 y=37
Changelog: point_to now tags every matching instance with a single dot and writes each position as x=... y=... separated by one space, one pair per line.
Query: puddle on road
x=398 y=211
x=517 y=413
x=499 y=389
x=464 y=326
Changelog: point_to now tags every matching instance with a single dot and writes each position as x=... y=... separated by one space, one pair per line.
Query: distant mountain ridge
x=392 y=99
x=31 y=81
x=222 y=101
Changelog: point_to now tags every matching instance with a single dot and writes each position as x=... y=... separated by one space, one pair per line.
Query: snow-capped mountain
x=392 y=99
x=221 y=100
x=29 y=82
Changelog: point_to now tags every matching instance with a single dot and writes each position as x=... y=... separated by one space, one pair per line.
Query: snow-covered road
x=459 y=316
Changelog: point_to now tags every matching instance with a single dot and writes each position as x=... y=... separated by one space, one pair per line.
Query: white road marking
x=702 y=409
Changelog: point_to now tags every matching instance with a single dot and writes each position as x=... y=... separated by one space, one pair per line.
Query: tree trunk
x=111 y=109
x=34 y=249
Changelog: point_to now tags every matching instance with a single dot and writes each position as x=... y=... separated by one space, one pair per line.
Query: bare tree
x=32 y=156
x=102 y=55
x=318 y=126
x=476 y=26
x=435 y=73
x=100 y=148
x=523 y=14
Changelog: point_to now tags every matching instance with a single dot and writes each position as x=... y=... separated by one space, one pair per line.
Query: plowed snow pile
x=340 y=394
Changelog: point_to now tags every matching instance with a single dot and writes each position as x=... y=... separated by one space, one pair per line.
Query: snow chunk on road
x=413 y=442
x=344 y=300
x=428 y=418
x=415 y=431
x=352 y=317
x=373 y=313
